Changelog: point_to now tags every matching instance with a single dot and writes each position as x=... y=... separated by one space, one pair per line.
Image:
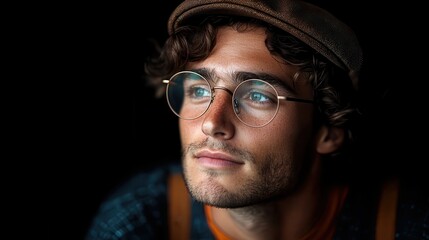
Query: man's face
x=229 y=164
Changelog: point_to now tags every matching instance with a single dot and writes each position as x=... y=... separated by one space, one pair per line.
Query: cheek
x=290 y=131
x=187 y=130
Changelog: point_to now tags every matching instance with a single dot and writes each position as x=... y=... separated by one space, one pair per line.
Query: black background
x=109 y=124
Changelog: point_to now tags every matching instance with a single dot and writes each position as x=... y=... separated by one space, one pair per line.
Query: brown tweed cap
x=309 y=23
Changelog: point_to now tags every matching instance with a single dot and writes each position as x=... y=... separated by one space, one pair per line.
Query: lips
x=215 y=159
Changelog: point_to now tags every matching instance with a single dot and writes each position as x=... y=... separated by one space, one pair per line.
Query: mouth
x=217 y=160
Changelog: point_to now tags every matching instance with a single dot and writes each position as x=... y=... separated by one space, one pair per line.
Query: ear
x=329 y=139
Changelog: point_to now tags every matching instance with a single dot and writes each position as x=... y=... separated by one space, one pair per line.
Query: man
x=265 y=92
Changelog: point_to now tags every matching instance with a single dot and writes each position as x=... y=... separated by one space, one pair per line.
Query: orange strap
x=386 y=217
x=179 y=208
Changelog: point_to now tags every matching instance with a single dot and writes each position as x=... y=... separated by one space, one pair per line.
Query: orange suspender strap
x=179 y=208
x=386 y=217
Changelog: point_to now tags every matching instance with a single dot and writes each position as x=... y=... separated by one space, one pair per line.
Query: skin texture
x=255 y=176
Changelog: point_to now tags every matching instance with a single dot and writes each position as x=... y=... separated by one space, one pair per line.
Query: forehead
x=245 y=51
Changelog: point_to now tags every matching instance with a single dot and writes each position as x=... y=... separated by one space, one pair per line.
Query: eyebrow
x=238 y=77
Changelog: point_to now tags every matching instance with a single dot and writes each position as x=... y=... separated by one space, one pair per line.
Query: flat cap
x=311 y=24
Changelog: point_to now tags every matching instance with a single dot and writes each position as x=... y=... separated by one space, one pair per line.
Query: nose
x=219 y=120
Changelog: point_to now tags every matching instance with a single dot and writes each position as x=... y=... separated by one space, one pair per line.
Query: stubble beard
x=274 y=178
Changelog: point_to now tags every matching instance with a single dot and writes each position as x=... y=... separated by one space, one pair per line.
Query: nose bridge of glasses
x=219 y=88
x=222 y=88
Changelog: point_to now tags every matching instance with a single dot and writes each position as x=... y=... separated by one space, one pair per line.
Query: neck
x=256 y=220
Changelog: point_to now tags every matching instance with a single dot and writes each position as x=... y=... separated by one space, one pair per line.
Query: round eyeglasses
x=255 y=102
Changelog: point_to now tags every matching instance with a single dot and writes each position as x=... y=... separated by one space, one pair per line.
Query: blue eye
x=200 y=92
x=258 y=97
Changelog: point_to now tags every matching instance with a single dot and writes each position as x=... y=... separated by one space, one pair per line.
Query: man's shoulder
x=150 y=181
x=413 y=210
x=358 y=219
x=137 y=207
